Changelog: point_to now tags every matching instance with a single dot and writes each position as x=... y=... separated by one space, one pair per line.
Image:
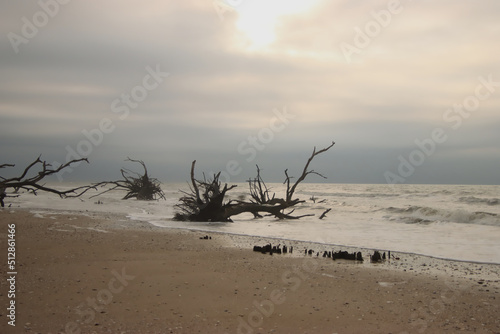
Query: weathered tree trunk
x=205 y=201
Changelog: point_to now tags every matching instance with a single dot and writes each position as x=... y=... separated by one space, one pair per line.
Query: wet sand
x=105 y=274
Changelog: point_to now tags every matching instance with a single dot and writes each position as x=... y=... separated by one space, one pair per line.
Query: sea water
x=459 y=222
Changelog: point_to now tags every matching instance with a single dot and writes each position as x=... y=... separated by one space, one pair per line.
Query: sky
x=409 y=91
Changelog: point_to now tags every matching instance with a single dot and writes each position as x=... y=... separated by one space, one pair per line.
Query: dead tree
x=206 y=199
x=30 y=179
x=141 y=187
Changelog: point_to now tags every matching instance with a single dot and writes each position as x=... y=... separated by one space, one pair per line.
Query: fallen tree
x=206 y=199
x=141 y=187
x=30 y=180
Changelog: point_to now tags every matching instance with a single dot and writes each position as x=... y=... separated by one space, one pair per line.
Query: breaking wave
x=476 y=200
x=428 y=215
x=350 y=195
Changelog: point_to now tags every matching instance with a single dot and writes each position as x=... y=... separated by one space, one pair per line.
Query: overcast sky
x=409 y=90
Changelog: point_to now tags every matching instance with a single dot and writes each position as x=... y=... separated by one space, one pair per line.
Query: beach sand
x=105 y=274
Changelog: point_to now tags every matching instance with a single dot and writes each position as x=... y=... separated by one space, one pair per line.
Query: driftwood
x=347 y=256
x=141 y=187
x=269 y=248
x=205 y=202
x=377 y=257
x=323 y=215
x=206 y=199
x=30 y=180
x=344 y=255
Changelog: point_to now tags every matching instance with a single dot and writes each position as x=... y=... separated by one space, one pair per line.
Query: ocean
x=457 y=222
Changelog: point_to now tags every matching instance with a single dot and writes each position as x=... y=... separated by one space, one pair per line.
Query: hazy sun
x=257 y=19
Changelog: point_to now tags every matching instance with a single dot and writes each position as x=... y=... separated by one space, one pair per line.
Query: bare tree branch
x=259 y=190
x=193 y=182
x=6 y=165
x=305 y=172
x=31 y=183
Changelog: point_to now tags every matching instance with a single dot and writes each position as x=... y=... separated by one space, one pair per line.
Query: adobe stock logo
x=428 y=146
x=31 y=28
x=90 y=309
x=121 y=106
x=372 y=29
x=253 y=144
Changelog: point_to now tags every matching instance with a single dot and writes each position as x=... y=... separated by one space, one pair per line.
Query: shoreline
x=248 y=241
x=280 y=240
x=85 y=274
x=364 y=217
x=127 y=217
x=461 y=268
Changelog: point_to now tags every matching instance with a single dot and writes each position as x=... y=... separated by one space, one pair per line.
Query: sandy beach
x=104 y=274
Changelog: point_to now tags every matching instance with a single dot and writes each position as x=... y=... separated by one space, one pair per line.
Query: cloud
x=220 y=91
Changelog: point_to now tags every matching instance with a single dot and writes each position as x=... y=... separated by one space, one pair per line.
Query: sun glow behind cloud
x=235 y=65
x=258 y=19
